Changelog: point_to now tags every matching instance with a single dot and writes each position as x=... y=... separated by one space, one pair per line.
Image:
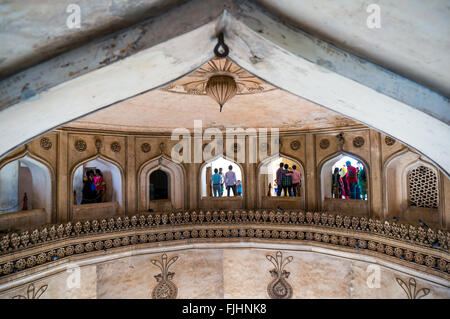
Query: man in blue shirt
x=216 y=180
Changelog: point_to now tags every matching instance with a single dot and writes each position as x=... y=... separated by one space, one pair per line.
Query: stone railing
x=425 y=250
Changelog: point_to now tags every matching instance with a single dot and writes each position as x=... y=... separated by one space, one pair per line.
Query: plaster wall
x=137 y=150
x=9 y=185
x=227 y=272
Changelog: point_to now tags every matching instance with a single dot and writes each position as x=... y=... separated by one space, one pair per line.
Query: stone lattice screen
x=423 y=188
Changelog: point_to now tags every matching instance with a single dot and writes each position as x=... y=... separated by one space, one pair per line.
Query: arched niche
x=396 y=190
x=113 y=203
x=159 y=185
x=223 y=162
x=176 y=187
x=266 y=175
x=346 y=206
x=224 y=202
x=30 y=174
x=376 y=98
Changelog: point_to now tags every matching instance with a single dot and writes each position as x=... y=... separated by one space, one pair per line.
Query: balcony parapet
x=420 y=248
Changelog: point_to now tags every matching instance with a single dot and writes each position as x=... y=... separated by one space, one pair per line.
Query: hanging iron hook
x=221 y=44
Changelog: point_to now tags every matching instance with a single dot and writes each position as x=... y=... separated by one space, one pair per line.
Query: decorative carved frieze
x=279 y=288
x=165 y=289
x=408 y=245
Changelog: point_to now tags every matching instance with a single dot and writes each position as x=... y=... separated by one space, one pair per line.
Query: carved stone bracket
x=340 y=141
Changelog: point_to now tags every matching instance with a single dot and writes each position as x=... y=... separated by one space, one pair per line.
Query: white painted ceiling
x=162 y=111
x=413 y=40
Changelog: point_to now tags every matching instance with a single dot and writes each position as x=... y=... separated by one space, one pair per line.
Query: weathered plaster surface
x=227 y=272
x=259 y=42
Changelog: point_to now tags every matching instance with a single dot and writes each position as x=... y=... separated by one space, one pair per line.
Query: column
x=375 y=195
x=62 y=180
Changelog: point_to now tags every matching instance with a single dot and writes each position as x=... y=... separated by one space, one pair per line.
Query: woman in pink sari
x=101 y=185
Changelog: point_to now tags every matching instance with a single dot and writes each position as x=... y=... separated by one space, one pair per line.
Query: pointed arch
x=355 y=94
x=212 y=159
x=121 y=188
x=176 y=181
x=396 y=190
x=324 y=183
x=45 y=189
x=262 y=188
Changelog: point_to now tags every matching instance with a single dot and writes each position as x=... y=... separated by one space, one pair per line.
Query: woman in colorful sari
x=100 y=184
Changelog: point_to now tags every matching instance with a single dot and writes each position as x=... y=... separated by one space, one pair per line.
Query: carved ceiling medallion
x=221 y=79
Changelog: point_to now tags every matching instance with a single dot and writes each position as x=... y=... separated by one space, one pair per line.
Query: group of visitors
x=94 y=187
x=219 y=180
x=288 y=180
x=349 y=182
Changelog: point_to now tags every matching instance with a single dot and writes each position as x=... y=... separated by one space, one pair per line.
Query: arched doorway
x=386 y=110
x=91 y=196
x=268 y=192
x=228 y=200
x=159 y=185
x=223 y=166
x=26 y=193
x=345 y=184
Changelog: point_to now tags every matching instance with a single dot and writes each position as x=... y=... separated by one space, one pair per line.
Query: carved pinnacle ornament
x=32 y=293
x=411 y=289
x=279 y=288
x=165 y=289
